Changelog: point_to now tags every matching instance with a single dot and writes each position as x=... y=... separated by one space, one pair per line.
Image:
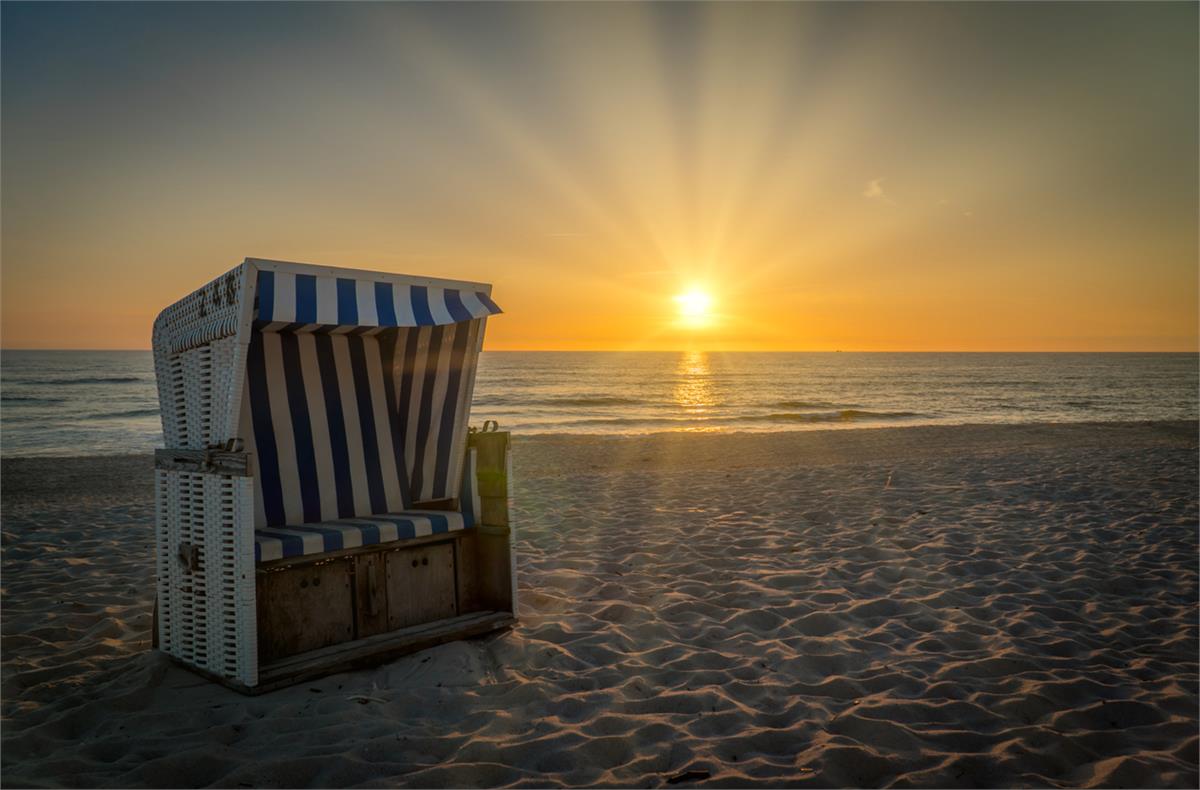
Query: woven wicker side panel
x=241 y=527
x=207 y=612
x=197 y=396
x=163 y=507
x=170 y=411
x=229 y=575
x=204 y=321
x=171 y=401
x=194 y=589
x=181 y=631
x=169 y=581
x=223 y=380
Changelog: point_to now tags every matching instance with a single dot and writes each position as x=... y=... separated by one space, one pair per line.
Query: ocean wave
x=84 y=380
x=841 y=415
x=28 y=399
x=581 y=401
x=813 y=404
x=596 y=400
x=80 y=418
x=130 y=413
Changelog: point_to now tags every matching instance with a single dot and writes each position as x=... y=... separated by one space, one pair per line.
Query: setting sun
x=693 y=304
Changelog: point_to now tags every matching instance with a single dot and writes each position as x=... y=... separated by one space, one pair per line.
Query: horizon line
x=724 y=351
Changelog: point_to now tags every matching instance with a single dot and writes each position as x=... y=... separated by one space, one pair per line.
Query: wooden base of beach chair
x=352 y=608
x=351 y=595
x=328 y=599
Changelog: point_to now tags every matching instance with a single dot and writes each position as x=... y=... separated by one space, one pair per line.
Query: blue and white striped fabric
x=322 y=433
x=306 y=302
x=334 y=422
x=274 y=543
x=434 y=376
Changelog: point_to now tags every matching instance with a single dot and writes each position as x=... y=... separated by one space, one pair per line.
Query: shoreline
x=990 y=605
x=23 y=479
x=584 y=435
x=818 y=428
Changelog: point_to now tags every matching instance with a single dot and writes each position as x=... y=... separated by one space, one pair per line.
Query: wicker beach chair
x=321 y=503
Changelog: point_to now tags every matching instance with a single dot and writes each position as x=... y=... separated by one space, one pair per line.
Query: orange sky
x=909 y=177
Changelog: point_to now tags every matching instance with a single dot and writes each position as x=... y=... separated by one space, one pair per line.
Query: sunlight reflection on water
x=694 y=391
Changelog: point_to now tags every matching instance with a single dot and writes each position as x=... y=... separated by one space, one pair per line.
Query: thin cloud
x=874 y=191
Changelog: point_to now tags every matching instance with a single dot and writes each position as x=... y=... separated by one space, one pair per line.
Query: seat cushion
x=301 y=540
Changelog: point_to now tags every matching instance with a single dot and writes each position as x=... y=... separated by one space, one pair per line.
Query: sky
x=969 y=177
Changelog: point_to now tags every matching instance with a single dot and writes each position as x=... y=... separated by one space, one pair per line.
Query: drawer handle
x=414 y=563
x=424 y=560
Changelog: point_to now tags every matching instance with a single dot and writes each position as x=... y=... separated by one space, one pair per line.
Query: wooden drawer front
x=420 y=585
x=304 y=608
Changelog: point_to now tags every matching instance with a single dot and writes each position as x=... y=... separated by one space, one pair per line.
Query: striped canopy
x=295 y=300
x=358 y=390
x=353 y=425
x=354 y=394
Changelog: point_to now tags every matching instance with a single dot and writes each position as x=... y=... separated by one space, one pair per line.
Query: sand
x=940 y=606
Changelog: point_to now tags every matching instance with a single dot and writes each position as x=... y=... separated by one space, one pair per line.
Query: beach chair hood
x=349 y=389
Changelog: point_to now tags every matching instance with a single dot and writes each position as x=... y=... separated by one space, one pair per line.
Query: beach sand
x=933 y=606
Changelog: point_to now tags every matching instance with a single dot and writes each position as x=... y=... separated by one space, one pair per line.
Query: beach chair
x=321 y=503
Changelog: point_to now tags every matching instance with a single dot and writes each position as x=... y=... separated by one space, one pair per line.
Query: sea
x=64 y=403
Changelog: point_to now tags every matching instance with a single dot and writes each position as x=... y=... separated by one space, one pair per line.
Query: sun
x=694 y=304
